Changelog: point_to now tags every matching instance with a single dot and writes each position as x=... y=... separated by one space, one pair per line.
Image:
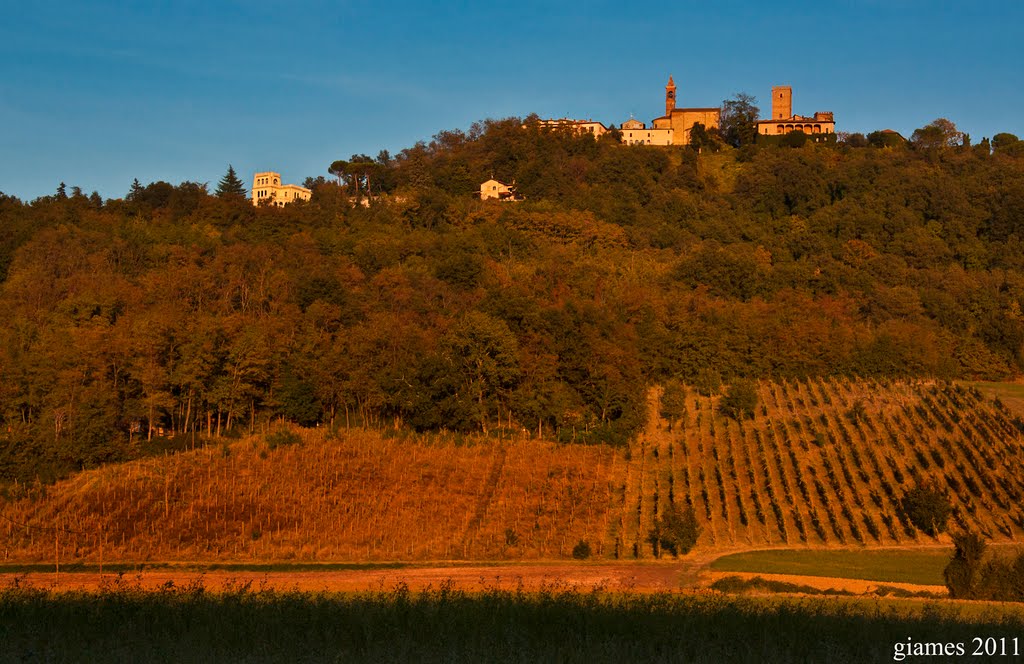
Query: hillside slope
x=625 y=267
x=803 y=471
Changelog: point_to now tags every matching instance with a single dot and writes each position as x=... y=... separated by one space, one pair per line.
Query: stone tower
x=670 y=96
x=782 y=102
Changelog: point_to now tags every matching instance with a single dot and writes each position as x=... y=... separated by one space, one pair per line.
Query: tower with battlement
x=784 y=121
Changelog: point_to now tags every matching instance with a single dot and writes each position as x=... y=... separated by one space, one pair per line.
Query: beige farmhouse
x=499 y=191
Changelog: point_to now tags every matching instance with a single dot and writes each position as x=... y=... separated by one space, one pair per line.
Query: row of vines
x=360 y=496
x=825 y=462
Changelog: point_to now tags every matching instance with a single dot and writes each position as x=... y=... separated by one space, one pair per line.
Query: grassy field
x=922 y=567
x=1011 y=394
x=189 y=624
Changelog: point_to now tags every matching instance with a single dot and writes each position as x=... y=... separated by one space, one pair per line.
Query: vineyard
x=823 y=462
x=360 y=496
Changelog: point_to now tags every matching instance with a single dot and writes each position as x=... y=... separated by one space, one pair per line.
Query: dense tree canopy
x=624 y=267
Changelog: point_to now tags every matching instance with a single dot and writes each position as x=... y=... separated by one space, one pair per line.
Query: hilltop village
x=675 y=127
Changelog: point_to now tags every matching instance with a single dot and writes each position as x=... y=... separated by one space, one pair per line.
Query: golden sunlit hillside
x=821 y=463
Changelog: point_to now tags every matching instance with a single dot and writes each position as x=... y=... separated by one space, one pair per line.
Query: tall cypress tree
x=230 y=186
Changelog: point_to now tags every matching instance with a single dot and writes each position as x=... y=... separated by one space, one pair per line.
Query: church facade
x=681 y=120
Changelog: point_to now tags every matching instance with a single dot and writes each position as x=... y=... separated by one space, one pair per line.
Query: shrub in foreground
x=969 y=576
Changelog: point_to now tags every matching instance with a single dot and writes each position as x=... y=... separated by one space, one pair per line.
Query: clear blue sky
x=97 y=93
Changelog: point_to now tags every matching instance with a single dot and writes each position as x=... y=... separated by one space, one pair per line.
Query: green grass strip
x=923 y=567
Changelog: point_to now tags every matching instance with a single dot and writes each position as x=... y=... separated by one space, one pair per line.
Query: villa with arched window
x=783 y=121
x=268 y=190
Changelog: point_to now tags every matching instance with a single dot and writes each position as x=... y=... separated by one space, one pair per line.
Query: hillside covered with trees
x=179 y=310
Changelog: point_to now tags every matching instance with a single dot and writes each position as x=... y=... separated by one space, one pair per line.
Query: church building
x=681 y=120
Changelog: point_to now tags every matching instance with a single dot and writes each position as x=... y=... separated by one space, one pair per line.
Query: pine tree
x=230 y=186
x=136 y=191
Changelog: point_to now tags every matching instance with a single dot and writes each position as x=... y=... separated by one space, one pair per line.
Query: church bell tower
x=670 y=96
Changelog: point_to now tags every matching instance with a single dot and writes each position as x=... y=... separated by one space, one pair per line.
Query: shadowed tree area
x=927 y=508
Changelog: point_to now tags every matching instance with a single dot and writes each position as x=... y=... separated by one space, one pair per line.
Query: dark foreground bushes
x=122 y=624
x=971 y=574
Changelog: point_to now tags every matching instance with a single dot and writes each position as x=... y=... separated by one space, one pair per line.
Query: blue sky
x=98 y=93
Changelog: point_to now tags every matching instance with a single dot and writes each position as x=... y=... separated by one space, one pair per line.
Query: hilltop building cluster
x=676 y=125
x=673 y=128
